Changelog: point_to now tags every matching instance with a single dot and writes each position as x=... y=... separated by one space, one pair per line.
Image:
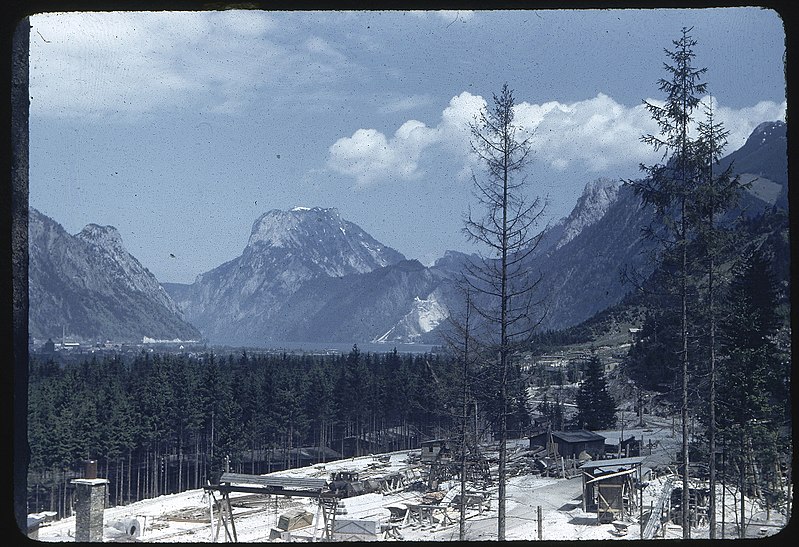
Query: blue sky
x=181 y=129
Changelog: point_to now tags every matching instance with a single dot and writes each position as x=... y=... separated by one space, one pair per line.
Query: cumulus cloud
x=597 y=135
x=741 y=122
x=370 y=157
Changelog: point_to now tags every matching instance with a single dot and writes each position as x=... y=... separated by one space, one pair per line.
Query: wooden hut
x=609 y=487
x=570 y=444
x=436 y=450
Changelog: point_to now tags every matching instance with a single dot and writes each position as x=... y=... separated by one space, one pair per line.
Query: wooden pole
x=211 y=510
x=540 y=523
x=723 y=485
x=641 y=495
x=230 y=512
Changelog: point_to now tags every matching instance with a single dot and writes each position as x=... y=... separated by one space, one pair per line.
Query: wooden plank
x=293 y=483
x=270 y=490
x=617 y=474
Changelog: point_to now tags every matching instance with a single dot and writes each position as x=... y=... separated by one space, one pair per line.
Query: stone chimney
x=89 y=505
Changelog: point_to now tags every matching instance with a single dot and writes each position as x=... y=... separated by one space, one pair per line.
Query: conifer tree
x=717 y=192
x=669 y=187
x=596 y=409
x=750 y=368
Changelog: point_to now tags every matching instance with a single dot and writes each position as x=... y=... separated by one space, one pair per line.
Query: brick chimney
x=89 y=505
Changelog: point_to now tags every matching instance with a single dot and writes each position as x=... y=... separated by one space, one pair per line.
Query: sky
x=181 y=128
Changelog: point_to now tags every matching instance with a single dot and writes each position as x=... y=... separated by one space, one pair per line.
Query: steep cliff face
x=584 y=275
x=592 y=205
x=120 y=267
x=88 y=286
x=597 y=197
x=587 y=253
x=763 y=162
x=355 y=308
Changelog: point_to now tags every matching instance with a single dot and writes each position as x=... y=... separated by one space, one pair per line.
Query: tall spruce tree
x=747 y=410
x=669 y=187
x=718 y=192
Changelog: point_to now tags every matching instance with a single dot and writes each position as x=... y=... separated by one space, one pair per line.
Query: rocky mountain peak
x=89 y=284
x=320 y=240
x=102 y=236
x=597 y=197
x=278 y=228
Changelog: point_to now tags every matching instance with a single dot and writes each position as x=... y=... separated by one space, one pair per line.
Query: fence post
x=540 y=523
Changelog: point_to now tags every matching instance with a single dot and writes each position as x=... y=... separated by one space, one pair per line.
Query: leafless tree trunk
x=505 y=228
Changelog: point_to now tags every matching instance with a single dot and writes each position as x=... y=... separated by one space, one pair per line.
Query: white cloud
x=740 y=123
x=370 y=157
x=247 y=22
x=127 y=63
x=596 y=135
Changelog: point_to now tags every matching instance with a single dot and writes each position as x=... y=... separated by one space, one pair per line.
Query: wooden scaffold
x=268 y=485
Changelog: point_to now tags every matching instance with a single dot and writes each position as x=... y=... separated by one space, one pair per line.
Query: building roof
x=578 y=436
x=616 y=464
x=274 y=481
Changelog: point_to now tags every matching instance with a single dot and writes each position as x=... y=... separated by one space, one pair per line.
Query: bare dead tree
x=501 y=282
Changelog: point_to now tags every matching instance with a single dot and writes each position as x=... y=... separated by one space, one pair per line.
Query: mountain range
x=308 y=275
x=87 y=286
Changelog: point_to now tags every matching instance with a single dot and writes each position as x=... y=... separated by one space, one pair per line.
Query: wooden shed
x=436 y=450
x=570 y=444
x=609 y=487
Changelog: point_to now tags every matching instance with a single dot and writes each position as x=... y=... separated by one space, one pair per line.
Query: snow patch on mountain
x=766 y=130
x=103 y=236
x=424 y=316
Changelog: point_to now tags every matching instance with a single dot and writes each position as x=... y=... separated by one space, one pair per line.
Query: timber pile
x=433 y=498
x=190 y=514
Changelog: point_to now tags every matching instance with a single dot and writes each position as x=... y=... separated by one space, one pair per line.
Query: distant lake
x=340 y=347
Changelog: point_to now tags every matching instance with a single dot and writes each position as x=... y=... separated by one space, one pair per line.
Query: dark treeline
x=164 y=423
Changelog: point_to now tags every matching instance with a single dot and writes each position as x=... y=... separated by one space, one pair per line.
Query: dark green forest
x=164 y=423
